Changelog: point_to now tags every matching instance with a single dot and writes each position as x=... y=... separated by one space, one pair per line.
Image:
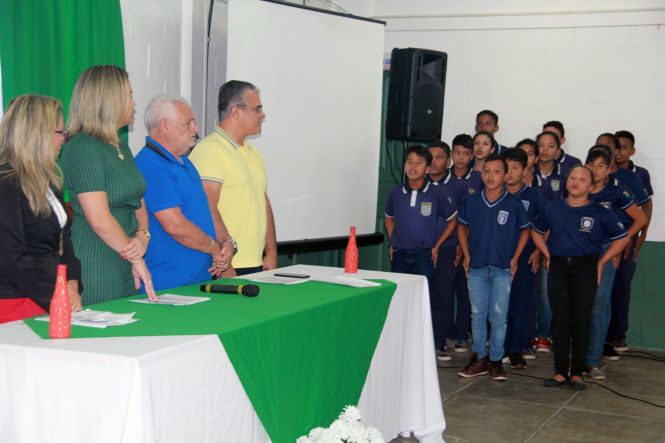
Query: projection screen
x=320 y=77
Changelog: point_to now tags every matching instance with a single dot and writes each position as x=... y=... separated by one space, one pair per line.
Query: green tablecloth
x=301 y=351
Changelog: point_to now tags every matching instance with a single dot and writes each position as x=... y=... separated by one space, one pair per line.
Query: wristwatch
x=145 y=232
x=234 y=243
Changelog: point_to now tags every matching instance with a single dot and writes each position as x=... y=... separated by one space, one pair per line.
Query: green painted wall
x=647 y=303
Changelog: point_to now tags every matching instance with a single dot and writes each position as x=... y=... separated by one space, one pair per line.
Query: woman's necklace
x=121 y=156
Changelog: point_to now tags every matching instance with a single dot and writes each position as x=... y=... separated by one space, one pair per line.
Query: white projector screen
x=320 y=77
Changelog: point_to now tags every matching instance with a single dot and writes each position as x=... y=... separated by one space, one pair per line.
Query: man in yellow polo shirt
x=234 y=179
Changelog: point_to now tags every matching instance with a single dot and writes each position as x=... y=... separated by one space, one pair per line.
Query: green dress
x=90 y=165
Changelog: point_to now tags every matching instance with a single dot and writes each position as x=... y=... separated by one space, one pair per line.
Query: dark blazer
x=29 y=247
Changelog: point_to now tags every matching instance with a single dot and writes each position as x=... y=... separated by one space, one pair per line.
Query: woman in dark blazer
x=34 y=229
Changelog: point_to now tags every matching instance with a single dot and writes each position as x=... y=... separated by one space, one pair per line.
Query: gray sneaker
x=460 y=346
x=596 y=373
x=443 y=355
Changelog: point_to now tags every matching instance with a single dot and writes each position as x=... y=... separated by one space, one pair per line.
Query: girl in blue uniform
x=578 y=229
x=614 y=196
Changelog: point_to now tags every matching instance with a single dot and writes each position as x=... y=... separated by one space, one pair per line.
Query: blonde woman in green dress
x=110 y=229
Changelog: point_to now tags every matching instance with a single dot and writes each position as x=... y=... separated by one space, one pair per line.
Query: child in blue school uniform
x=551 y=182
x=492 y=231
x=462 y=181
x=566 y=160
x=522 y=299
x=442 y=294
x=612 y=195
x=412 y=219
x=578 y=228
x=616 y=334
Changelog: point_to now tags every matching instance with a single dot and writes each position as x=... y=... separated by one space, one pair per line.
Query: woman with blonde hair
x=110 y=230
x=34 y=230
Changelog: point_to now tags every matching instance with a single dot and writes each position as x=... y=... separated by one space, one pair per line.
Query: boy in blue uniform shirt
x=461 y=181
x=412 y=219
x=492 y=232
x=626 y=270
x=443 y=291
x=522 y=300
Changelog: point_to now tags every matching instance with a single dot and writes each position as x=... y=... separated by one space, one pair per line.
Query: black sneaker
x=620 y=345
x=517 y=361
x=609 y=353
x=475 y=368
x=442 y=355
x=496 y=371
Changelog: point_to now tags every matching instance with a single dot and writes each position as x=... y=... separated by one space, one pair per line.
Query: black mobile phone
x=288 y=275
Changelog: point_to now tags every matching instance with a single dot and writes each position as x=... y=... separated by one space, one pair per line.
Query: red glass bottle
x=351 y=255
x=60 y=323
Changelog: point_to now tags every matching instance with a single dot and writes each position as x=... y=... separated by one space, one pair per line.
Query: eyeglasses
x=64 y=133
x=258 y=109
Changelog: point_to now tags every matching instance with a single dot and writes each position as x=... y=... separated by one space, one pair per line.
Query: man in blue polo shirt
x=488 y=121
x=183 y=249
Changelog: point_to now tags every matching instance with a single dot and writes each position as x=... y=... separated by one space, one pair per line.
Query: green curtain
x=46 y=44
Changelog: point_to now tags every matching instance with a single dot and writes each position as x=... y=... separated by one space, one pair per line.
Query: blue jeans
x=522 y=301
x=600 y=314
x=544 y=323
x=413 y=261
x=489 y=293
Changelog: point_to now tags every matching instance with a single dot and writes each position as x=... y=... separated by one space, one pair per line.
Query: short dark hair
x=615 y=139
x=231 y=94
x=555 y=124
x=487 y=134
x=626 y=134
x=593 y=180
x=552 y=134
x=420 y=151
x=489 y=113
x=494 y=157
x=516 y=155
x=464 y=140
x=599 y=151
x=528 y=141
x=440 y=144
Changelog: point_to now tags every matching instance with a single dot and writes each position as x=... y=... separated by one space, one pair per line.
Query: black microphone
x=246 y=290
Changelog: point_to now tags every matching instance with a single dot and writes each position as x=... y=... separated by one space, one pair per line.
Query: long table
x=184 y=388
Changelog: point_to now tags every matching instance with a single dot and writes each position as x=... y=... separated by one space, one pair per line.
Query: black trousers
x=571 y=284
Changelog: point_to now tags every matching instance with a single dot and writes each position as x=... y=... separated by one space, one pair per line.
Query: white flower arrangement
x=346 y=429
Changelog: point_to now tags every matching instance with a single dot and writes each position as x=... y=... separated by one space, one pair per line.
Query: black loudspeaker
x=415 y=94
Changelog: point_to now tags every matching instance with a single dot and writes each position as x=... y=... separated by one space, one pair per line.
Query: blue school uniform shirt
x=617 y=198
x=633 y=182
x=644 y=175
x=494 y=228
x=534 y=205
x=567 y=163
x=416 y=213
x=447 y=191
x=463 y=186
x=170 y=184
x=553 y=185
x=578 y=231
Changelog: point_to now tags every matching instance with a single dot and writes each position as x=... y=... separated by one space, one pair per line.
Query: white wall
x=597 y=66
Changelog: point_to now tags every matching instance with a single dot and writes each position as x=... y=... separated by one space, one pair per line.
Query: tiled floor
x=523 y=410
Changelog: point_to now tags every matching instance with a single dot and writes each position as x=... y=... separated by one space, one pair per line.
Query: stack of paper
x=172 y=299
x=347 y=281
x=98 y=319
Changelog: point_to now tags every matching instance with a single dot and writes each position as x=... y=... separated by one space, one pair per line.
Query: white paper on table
x=279 y=280
x=172 y=299
x=98 y=319
x=347 y=281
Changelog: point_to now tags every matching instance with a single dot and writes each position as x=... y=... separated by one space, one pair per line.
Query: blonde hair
x=99 y=102
x=27 y=134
